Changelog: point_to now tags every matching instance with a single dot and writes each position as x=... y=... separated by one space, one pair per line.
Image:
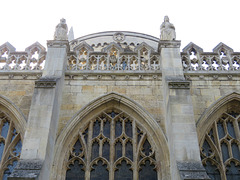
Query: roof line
x=110 y=33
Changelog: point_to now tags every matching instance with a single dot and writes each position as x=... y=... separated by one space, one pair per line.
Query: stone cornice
x=58 y=44
x=169 y=44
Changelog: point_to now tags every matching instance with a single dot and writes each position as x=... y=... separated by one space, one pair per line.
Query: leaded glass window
x=220 y=151
x=112 y=146
x=10 y=146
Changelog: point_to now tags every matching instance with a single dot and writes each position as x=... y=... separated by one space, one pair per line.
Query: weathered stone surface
x=179 y=85
x=192 y=170
x=27 y=170
x=166 y=92
x=46 y=82
x=167 y=30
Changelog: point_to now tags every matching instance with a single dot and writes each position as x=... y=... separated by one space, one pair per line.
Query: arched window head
x=10 y=146
x=220 y=149
x=112 y=146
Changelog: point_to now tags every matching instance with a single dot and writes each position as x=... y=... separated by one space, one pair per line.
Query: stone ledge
x=169 y=44
x=192 y=170
x=26 y=170
x=46 y=83
x=179 y=85
x=58 y=44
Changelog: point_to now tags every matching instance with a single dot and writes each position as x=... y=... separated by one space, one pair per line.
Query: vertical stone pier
x=179 y=118
x=39 y=139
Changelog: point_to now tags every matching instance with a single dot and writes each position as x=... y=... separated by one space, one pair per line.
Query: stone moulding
x=169 y=44
x=117 y=76
x=179 y=85
x=58 y=44
x=46 y=83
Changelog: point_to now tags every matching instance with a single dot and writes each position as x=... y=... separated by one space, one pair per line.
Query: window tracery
x=220 y=151
x=10 y=146
x=112 y=146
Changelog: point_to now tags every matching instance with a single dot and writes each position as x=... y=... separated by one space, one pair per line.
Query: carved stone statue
x=167 y=30
x=61 y=31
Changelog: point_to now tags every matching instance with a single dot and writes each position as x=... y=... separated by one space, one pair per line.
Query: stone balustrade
x=222 y=59
x=32 y=59
x=194 y=60
x=104 y=62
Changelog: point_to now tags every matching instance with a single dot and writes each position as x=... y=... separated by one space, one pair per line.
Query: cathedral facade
x=119 y=105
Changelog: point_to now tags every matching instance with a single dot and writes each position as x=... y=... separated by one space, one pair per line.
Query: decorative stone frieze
x=10 y=76
x=215 y=77
x=179 y=85
x=119 y=37
x=222 y=59
x=24 y=76
x=46 y=83
x=229 y=77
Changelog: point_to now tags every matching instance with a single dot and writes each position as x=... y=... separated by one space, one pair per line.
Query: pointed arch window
x=112 y=146
x=10 y=146
x=220 y=150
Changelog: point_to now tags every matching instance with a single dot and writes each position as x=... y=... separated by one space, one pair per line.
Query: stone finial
x=71 y=34
x=61 y=31
x=167 y=30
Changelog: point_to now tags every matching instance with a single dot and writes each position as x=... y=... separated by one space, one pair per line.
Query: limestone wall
x=206 y=92
x=78 y=93
x=19 y=91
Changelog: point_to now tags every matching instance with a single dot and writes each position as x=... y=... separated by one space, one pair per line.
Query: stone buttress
x=40 y=136
x=180 y=124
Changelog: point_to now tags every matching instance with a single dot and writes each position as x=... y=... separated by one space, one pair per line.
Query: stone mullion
x=89 y=150
x=237 y=131
x=112 y=152
x=100 y=147
x=7 y=142
x=123 y=141
x=225 y=127
x=101 y=141
x=2 y=158
x=226 y=141
x=230 y=142
x=217 y=142
x=222 y=167
x=135 y=158
x=1 y=125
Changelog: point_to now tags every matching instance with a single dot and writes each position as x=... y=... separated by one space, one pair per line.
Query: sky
x=203 y=22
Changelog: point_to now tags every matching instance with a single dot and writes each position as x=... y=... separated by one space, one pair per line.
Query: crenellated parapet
x=222 y=60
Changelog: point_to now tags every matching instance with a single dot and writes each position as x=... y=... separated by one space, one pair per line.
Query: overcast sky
x=204 y=22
